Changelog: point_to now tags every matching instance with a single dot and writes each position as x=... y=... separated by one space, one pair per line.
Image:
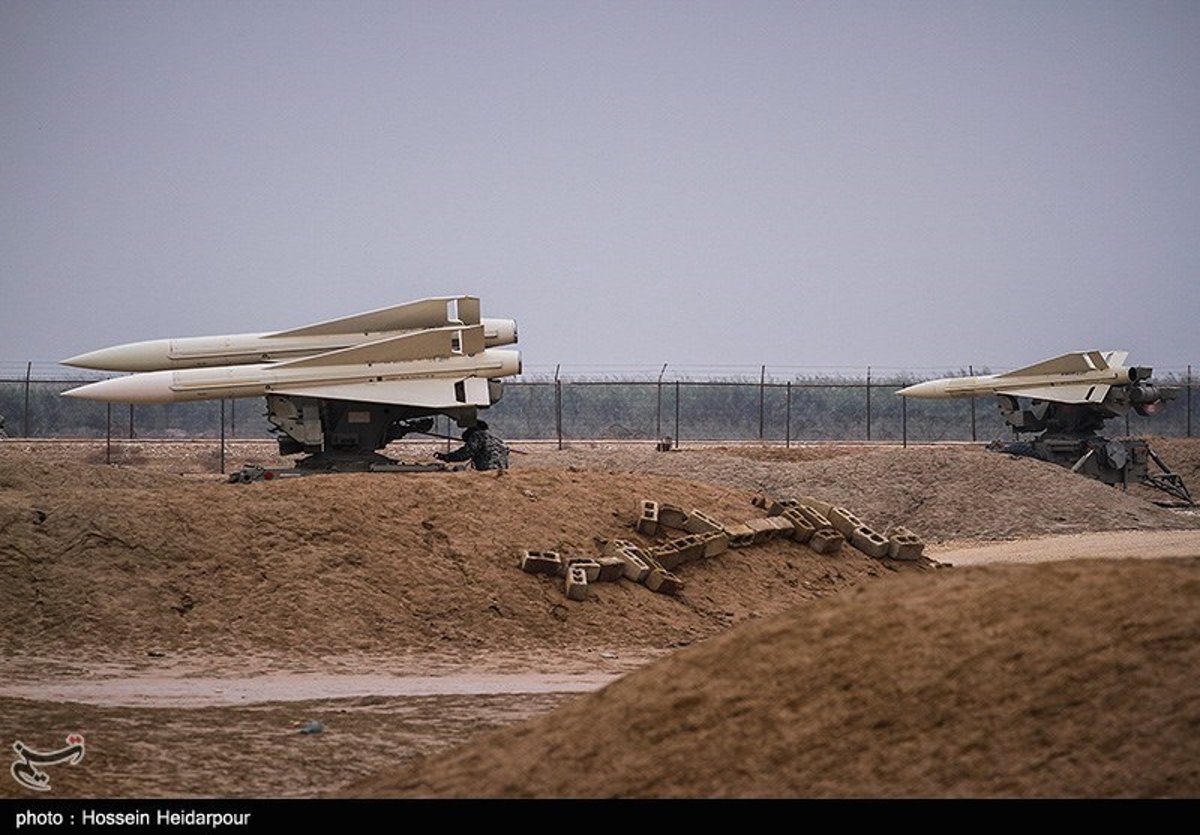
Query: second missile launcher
x=1067 y=400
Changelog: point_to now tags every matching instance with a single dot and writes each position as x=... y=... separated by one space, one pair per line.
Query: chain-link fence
x=800 y=409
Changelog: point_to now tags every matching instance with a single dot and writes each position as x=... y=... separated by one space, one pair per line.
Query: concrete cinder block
x=700 y=522
x=611 y=569
x=590 y=567
x=763 y=530
x=783 y=526
x=903 y=544
x=663 y=582
x=802 y=529
x=819 y=505
x=670 y=516
x=815 y=518
x=577 y=583
x=646 y=556
x=647 y=523
x=636 y=568
x=715 y=543
x=906 y=547
x=541 y=562
x=843 y=521
x=739 y=535
x=870 y=542
x=690 y=547
x=667 y=556
x=760 y=500
x=614 y=546
x=826 y=541
x=778 y=506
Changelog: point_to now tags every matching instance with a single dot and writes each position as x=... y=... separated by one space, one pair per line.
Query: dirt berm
x=138 y=560
x=942 y=492
x=1061 y=679
x=379 y=563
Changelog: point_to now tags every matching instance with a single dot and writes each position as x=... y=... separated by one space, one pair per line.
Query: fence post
x=1189 y=402
x=904 y=421
x=868 y=402
x=677 y=413
x=131 y=421
x=762 y=392
x=787 y=443
x=25 y=421
x=108 y=434
x=558 y=406
x=971 y=371
x=658 y=420
x=232 y=417
x=222 y=436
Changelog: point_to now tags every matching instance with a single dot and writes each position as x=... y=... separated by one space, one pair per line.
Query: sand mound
x=1063 y=679
x=32 y=475
x=944 y=492
x=381 y=563
x=142 y=559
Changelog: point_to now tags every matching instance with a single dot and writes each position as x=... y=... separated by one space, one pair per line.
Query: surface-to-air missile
x=338 y=389
x=1067 y=400
x=1080 y=377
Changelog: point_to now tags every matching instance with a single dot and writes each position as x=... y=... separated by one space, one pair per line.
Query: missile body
x=416 y=382
x=1082 y=377
x=248 y=348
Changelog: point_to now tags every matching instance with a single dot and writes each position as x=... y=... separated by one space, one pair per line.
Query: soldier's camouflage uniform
x=485 y=451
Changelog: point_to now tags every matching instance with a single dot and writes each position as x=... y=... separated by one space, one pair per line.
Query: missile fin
x=423 y=313
x=1115 y=359
x=468 y=310
x=1074 y=363
x=474 y=340
x=421 y=345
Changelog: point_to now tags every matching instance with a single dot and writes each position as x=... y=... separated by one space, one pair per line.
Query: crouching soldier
x=483 y=449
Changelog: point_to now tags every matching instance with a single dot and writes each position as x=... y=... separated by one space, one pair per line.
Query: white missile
x=431 y=355
x=278 y=346
x=1080 y=377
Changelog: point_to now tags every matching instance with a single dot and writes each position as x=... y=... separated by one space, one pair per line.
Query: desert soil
x=189 y=627
x=1049 y=680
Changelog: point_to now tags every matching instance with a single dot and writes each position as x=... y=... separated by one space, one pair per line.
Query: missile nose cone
x=154 y=387
x=87 y=360
x=135 y=356
x=88 y=392
x=927 y=389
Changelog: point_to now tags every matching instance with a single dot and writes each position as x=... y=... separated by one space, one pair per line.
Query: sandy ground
x=1060 y=679
x=188 y=627
x=254 y=750
x=1106 y=545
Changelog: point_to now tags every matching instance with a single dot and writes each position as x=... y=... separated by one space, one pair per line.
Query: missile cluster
x=432 y=353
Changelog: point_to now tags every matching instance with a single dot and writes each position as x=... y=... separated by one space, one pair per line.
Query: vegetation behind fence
x=801 y=409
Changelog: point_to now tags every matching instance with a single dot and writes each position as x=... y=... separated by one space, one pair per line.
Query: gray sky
x=701 y=183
